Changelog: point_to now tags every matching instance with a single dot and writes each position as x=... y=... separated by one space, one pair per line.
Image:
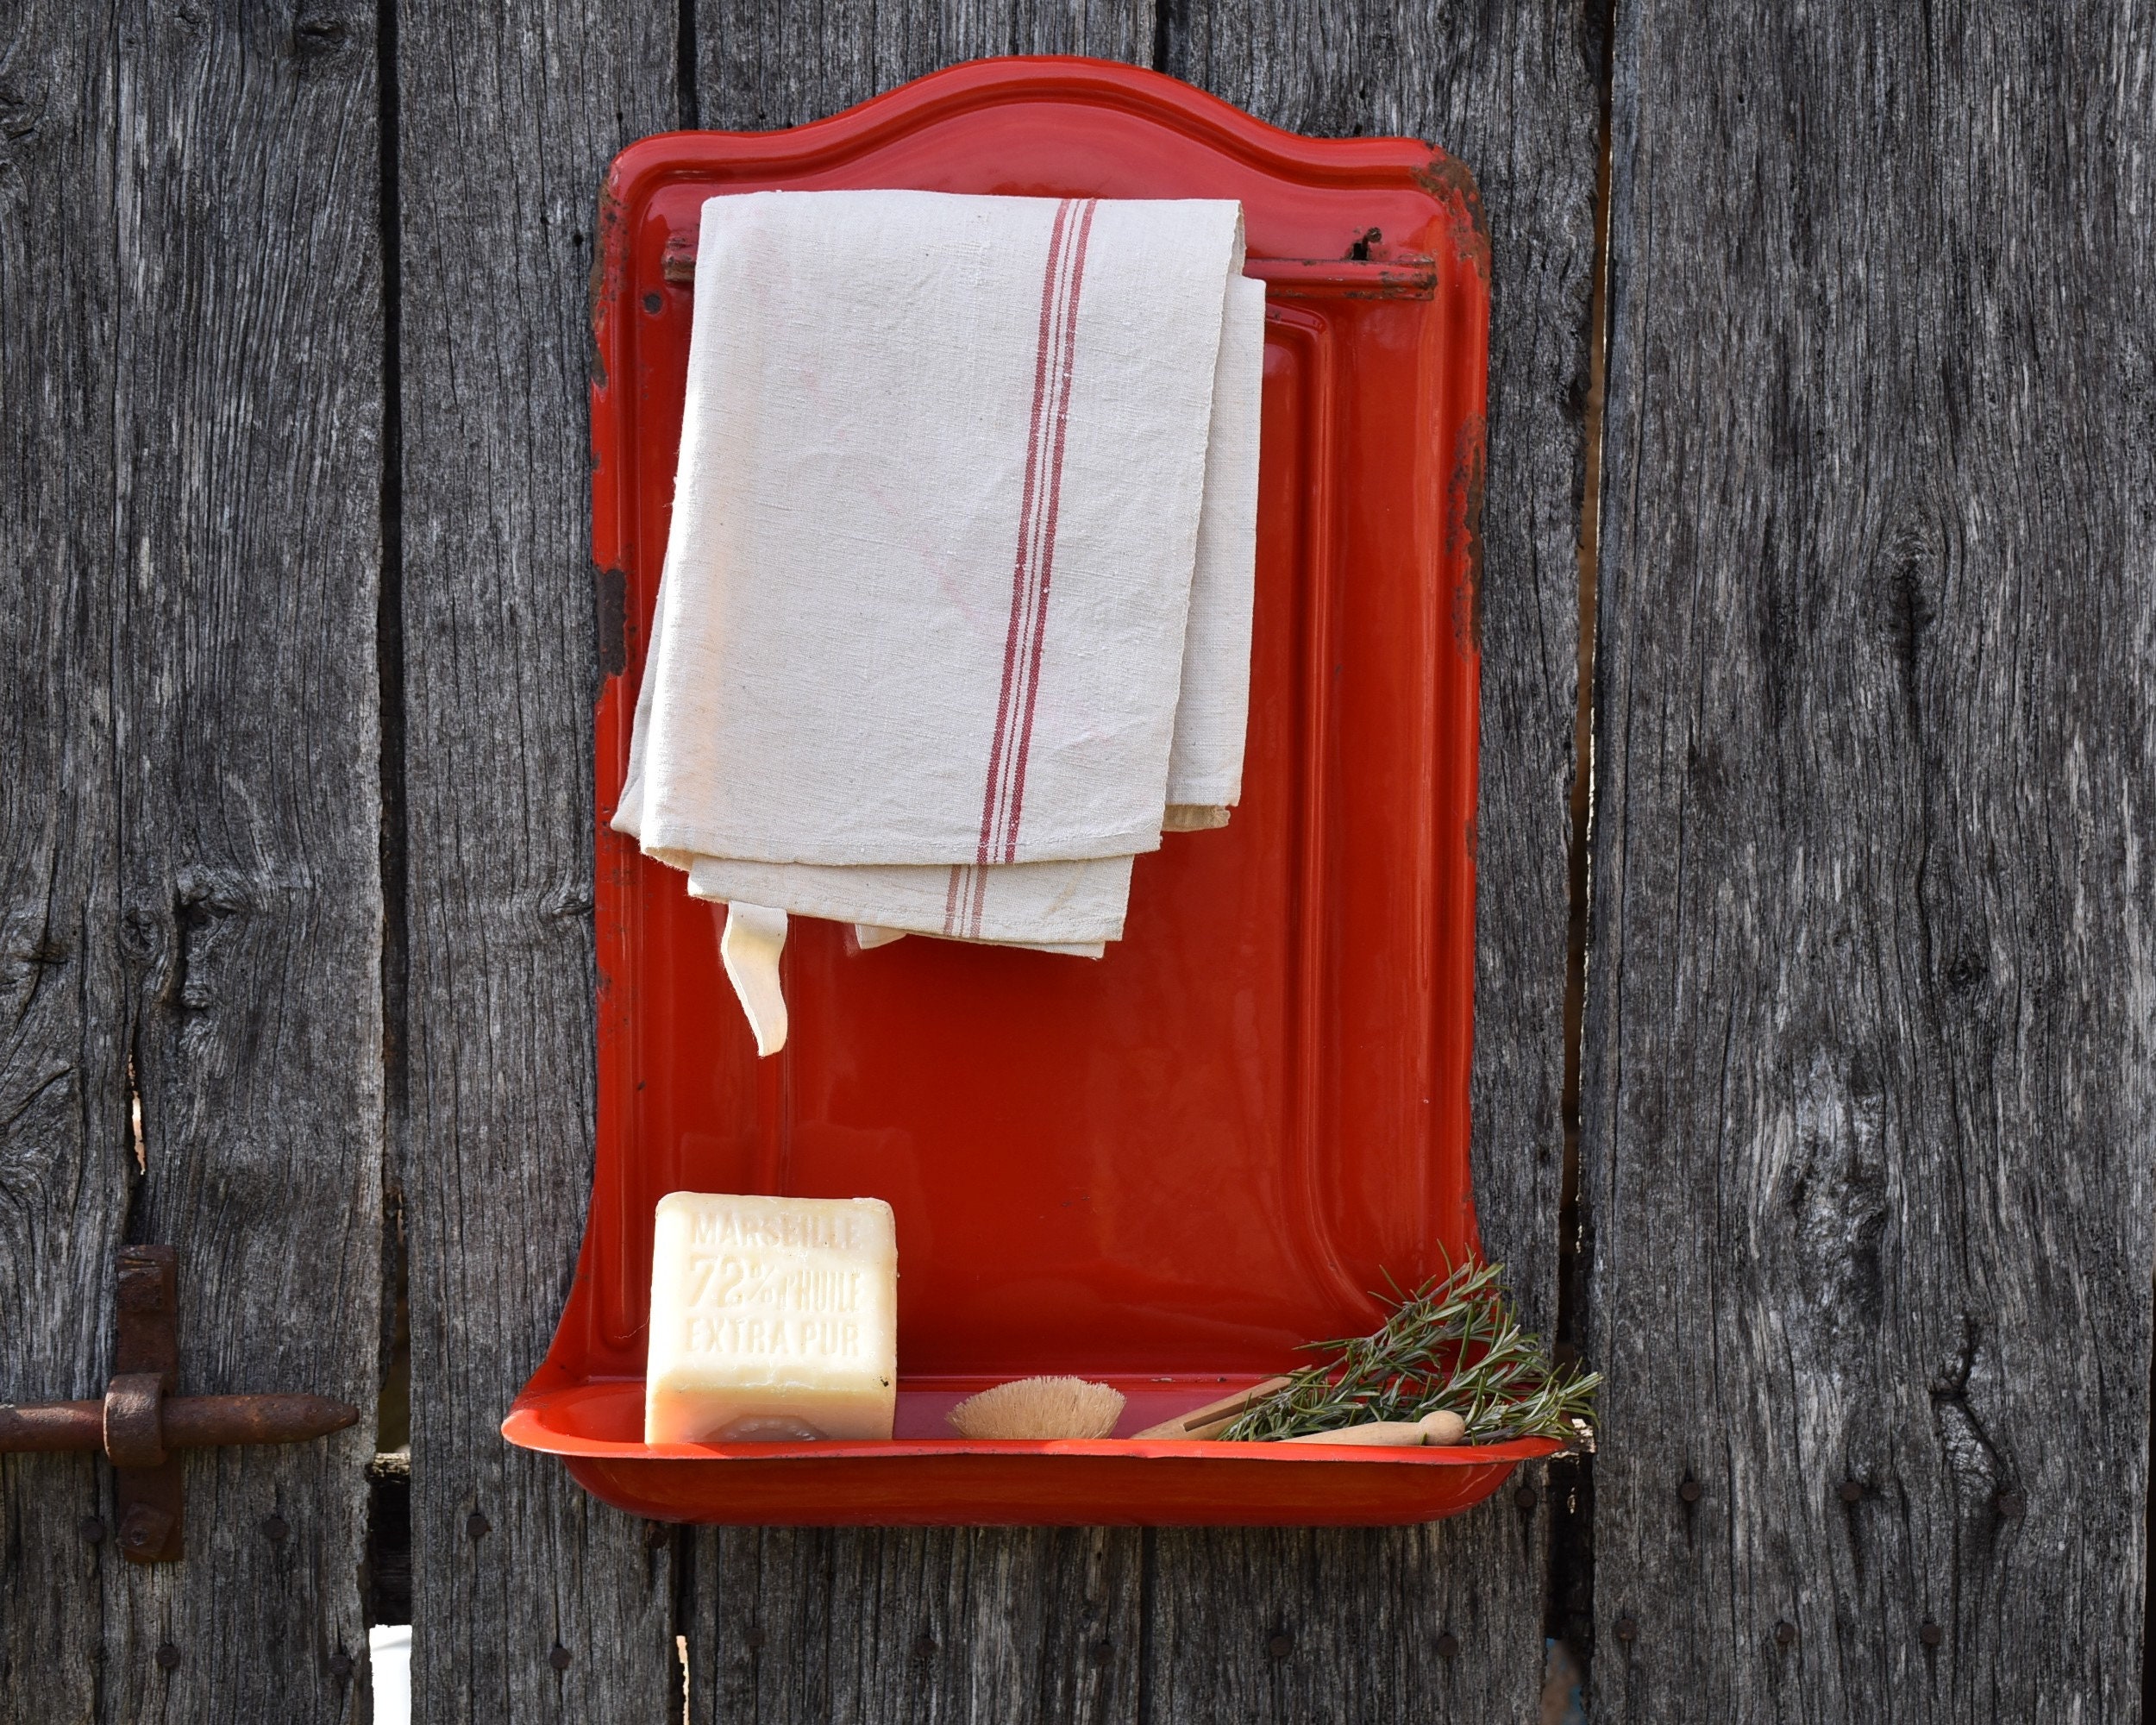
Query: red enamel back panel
x=1167 y=1168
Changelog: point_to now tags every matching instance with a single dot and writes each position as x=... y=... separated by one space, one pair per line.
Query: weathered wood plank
x=507 y=120
x=764 y=64
x=1868 y=1063
x=1513 y=93
x=224 y=723
x=1439 y=1622
x=248 y=545
x=971 y=1623
x=1514 y=96
x=869 y=1624
x=65 y=1165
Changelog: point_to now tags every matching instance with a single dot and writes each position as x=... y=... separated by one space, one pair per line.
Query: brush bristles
x=1039 y=1407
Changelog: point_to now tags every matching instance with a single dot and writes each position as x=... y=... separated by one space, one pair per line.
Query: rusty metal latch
x=140 y=1421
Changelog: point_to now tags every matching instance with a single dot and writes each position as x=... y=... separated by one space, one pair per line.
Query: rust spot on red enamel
x=1452 y=179
x=1464 y=525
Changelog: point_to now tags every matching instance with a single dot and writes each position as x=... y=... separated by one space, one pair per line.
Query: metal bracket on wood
x=140 y=1421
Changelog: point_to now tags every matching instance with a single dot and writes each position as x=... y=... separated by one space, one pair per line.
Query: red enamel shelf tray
x=1165 y=1168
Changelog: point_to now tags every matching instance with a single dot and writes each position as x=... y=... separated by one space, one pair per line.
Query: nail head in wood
x=1851 y=1492
x=1691 y=1490
x=168 y=1657
x=559 y=1658
x=276 y=1529
x=339 y=1665
x=477 y=1527
x=1785 y=1633
x=1930 y=1634
x=1627 y=1629
x=1279 y=1644
x=1448 y=1645
x=1525 y=1497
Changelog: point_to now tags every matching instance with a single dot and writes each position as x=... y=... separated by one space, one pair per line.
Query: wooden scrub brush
x=1039 y=1407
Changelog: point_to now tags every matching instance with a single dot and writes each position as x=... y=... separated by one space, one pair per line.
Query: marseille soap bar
x=772 y=1320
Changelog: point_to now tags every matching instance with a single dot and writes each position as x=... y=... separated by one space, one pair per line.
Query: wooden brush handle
x=1213 y=1419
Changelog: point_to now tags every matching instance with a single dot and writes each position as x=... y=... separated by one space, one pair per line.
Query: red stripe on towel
x=1033 y=563
x=1021 y=561
x=1048 y=546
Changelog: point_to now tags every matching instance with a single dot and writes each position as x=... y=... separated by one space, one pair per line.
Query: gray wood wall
x=294 y=858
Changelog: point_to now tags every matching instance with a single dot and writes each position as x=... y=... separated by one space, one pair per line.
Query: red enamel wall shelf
x=1166 y=1168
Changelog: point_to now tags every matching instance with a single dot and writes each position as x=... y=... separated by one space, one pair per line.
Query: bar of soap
x=773 y=1320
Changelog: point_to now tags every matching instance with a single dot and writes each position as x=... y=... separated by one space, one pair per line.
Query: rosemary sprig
x=1455 y=1343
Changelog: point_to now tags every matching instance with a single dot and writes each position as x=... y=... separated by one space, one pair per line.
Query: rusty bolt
x=91 y=1528
x=1691 y=1490
x=1930 y=1634
x=477 y=1527
x=559 y=1658
x=2009 y=1503
x=1448 y=1645
x=1525 y=1497
x=1851 y=1492
x=339 y=1665
x=1627 y=1629
x=1280 y=1644
x=146 y=1529
x=1784 y=1632
x=168 y=1657
x=276 y=1529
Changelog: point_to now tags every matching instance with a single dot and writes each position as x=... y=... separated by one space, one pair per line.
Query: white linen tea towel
x=954 y=615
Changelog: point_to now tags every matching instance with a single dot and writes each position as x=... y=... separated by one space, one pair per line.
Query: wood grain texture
x=1512 y=93
x=507 y=121
x=64 y=1164
x=1867 y=1065
x=221 y=719
x=764 y=64
x=967 y=1623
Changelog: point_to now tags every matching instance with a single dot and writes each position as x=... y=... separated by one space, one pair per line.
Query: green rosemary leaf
x=1455 y=1343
